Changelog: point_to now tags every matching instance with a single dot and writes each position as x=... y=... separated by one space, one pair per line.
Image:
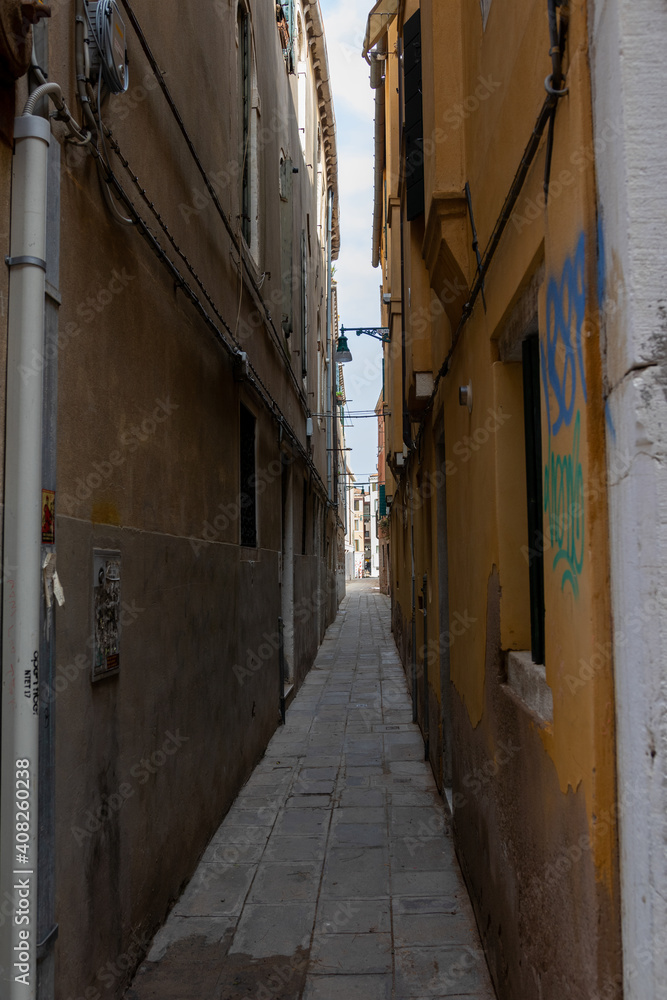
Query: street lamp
x=342 y=354
x=378 y=332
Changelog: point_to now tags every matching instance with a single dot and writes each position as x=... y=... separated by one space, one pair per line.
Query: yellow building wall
x=482 y=93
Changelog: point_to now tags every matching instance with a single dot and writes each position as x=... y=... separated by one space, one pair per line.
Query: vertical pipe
x=425 y=669
x=281 y=665
x=47 y=654
x=329 y=351
x=22 y=553
x=414 y=615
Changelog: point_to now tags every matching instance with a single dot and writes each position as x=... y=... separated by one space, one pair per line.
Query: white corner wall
x=629 y=72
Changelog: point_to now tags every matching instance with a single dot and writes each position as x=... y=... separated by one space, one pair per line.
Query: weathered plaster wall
x=627 y=58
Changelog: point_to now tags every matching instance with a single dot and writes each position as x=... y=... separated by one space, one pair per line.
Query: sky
x=358 y=282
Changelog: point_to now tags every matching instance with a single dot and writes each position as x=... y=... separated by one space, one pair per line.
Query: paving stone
x=421 y=854
x=216 y=891
x=265 y=930
x=363 y=834
x=212 y=929
x=352 y=797
x=435 y=929
x=315 y=759
x=426 y=904
x=359 y=814
x=302 y=822
x=348 y=988
x=351 y=954
x=333 y=877
x=425 y=883
x=242 y=815
x=314 y=787
x=356 y=872
x=441 y=972
x=313 y=801
x=353 y=916
x=277 y=881
x=309 y=773
x=233 y=854
x=295 y=849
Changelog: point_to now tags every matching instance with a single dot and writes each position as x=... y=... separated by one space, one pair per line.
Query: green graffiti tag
x=564 y=505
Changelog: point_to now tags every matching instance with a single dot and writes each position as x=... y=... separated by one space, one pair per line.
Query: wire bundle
x=102 y=18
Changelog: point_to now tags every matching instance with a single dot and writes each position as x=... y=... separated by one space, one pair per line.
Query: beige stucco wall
x=148 y=464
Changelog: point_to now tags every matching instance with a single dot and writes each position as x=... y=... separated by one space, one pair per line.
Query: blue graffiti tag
x=562 y=367
x=566 y=307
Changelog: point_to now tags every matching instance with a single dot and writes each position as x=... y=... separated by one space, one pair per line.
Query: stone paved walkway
x=333 y=876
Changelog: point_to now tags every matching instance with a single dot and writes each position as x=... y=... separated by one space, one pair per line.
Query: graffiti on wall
x=564 y=383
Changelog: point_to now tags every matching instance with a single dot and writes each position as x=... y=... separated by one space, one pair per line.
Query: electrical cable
x=136 y=220
x=159 y=76
x=106 y=190
x=494 y=240
x=115 y=76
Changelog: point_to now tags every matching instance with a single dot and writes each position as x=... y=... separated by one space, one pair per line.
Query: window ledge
x=528 y=681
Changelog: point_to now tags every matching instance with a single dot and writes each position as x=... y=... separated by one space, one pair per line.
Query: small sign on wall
x=48 y=517
x=106 y=613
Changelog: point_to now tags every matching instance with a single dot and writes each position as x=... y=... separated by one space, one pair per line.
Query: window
x=286 y=242
x=304 y=304
x=245 y=97
x=533 y=434
x=413 y=118
x=247 y=478
x=304 y=517
x=247 y=112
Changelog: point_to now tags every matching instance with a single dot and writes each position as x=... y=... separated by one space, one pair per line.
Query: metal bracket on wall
x=35 y=261
x=475 y=242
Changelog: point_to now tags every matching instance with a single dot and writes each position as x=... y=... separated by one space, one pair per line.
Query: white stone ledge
x=528 y=681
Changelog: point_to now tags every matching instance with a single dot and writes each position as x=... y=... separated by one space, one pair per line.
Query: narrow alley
x=334 y=873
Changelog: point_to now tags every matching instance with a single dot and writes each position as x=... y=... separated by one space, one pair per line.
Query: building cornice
x=317 y=41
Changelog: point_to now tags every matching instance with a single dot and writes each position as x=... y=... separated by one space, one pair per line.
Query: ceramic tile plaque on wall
x=106 y=613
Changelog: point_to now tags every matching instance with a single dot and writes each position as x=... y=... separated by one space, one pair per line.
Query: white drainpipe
x=22 y=575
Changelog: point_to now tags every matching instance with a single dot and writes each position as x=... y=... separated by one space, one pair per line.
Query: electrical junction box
x=108 y=51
